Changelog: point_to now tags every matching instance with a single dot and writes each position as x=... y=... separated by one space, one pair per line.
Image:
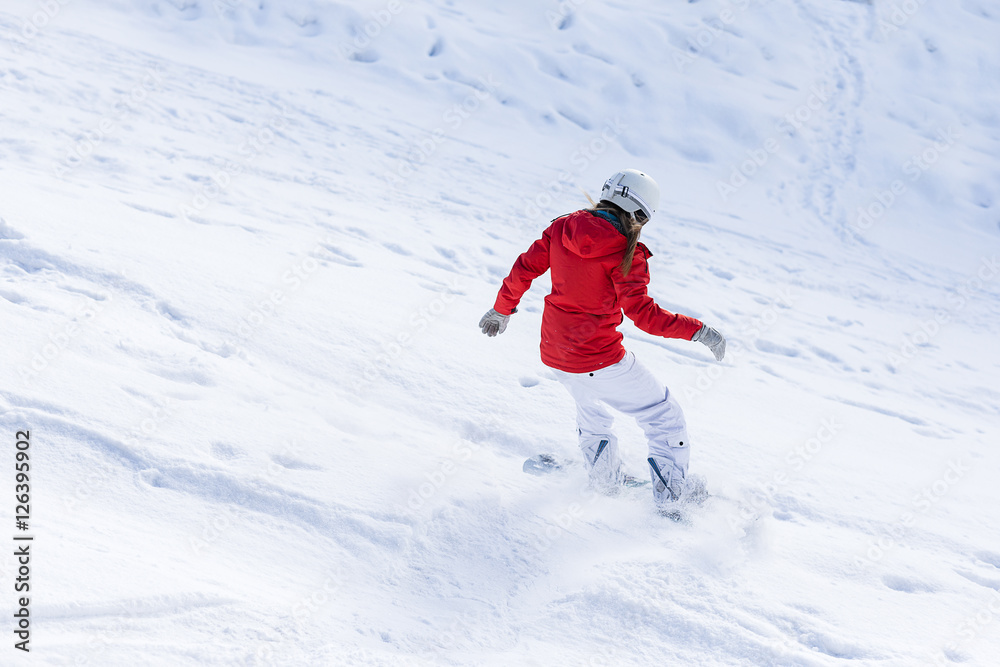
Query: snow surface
x=245 y=246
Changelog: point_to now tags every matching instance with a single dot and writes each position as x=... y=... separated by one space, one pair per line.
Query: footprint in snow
x=153 y=477
x=309 y=26
x=293 y=464
x=398 y=249
x=528 y=381
x=365 y=56
x=335 y=254
x=719 y=273
x=225 y=452
x=450 y=255
x=827 y=356
x=148 y=209
x=907 y=584
x=170 y=312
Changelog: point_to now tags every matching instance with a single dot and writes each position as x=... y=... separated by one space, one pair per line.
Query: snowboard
x=545 y=464
x=679 y=512
x=698 y=499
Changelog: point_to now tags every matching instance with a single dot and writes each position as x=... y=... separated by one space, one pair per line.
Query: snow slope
x=245 y=245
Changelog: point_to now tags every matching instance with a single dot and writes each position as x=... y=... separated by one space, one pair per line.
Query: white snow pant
x=629 y=388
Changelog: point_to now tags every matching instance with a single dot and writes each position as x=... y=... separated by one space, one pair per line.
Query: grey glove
x=711 y=338
x=494 y=323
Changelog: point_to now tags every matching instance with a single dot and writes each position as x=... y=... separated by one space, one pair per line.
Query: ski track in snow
x=240 y=326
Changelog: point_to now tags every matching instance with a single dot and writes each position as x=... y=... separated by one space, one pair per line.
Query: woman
x=599 y=270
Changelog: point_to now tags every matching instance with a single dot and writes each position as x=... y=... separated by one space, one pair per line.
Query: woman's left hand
x=708 y=336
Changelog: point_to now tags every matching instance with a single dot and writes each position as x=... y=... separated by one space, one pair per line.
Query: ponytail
x=632 y=230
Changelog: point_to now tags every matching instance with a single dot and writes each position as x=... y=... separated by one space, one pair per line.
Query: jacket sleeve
x=640 y=307
x=529 y=265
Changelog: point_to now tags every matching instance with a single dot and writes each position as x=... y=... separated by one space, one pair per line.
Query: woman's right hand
x=494 y=323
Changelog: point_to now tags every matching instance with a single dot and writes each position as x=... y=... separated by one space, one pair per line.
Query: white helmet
x=633 y=191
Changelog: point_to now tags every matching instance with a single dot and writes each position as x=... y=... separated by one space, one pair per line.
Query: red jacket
x=589 y=293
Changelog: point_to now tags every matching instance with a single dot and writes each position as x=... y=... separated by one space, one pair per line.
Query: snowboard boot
x=604 y=463
x=673 y=491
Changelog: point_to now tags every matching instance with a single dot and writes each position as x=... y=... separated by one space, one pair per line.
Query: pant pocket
x=678 y=440
x=674 y=447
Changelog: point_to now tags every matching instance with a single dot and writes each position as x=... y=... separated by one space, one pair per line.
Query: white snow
x=245 y=245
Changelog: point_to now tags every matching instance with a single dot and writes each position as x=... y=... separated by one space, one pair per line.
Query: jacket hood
x=588 y=235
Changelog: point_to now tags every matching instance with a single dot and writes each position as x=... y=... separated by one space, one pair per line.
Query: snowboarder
x=599 y=269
